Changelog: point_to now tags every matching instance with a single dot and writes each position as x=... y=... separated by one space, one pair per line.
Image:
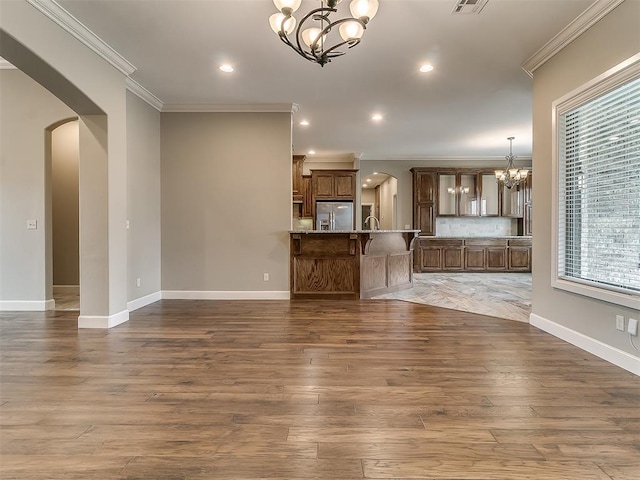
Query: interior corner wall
x=65 y=204
x=226 y=201
x=143 y=193
x=27 y=110
x=613 y=39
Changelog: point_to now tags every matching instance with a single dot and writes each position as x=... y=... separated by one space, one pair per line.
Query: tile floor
x=503 y=295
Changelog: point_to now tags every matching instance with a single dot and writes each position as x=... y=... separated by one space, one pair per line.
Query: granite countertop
x=354 y=231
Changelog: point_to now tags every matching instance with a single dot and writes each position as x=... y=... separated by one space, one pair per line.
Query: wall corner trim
x=602 y=350
x=100 y=321
x=225 y=295
x=144 y=94
x=27 y=305
x=577 y=27
x=144 y=301
x=61 y=17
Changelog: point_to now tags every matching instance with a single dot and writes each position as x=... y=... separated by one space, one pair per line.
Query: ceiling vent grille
x=469 y=6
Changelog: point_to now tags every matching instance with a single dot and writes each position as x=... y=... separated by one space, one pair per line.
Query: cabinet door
x=452 y=258
x=489 y=205
x=446 y=194
x=323 y=185
x=430 y=259
x=520 y=259
x=424 y=218
x=424 y=187
x=344 y=184
x=474 y=258
x=496 y=258
x=468 y=197
x=512 y=202
x=307 y=197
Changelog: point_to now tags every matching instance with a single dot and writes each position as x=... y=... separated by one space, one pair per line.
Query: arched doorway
x=62 y=161
x=379 y=199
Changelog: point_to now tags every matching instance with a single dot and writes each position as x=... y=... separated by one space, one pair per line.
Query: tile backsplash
x=476 y=227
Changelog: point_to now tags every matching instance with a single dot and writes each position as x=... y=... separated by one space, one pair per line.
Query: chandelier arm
x=330 y=53
x=322 y=12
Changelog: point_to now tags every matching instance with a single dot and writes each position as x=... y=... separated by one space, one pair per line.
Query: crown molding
x=237 y=108
x=137 y=89
x=66 y=21
x=577 y=27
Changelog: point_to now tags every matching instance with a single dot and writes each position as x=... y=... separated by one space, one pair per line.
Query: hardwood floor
x=373 y=389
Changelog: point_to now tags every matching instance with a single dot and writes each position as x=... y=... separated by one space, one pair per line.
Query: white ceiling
x=477 y=96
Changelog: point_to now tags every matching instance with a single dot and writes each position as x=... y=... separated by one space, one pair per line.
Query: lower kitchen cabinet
x=503 y=254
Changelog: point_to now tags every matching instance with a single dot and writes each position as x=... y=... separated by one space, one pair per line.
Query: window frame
x=623 y=72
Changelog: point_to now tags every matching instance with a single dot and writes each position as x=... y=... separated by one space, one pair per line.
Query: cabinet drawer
x=486 y=242
x=520 y=242
x=441 y=242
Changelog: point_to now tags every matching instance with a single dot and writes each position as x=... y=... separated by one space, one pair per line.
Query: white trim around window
x=622 y=73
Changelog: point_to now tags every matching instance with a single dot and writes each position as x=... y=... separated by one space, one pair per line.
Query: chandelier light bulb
x=350 y=30
x=364 y=9
x=291 y=5
x=310 y=35
x=276 y=20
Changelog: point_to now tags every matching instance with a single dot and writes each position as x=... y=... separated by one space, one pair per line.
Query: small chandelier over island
x=315 y=36
x=511 y=176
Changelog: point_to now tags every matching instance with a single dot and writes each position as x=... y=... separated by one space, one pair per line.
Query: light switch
x=32 y=224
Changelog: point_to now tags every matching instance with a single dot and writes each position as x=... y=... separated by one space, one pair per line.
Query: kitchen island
x=350 y=264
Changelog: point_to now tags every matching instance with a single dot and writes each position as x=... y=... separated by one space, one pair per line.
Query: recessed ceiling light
x=368 y=180
x=364 y=185
x=304 y=123
x=226 y=68
x=312 y=152
x=375 y=173
x=376 y=117
x=427 y=67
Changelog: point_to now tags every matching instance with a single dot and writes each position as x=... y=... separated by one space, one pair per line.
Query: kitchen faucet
x=369 y=219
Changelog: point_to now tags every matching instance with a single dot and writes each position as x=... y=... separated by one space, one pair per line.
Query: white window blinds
x=599 y=191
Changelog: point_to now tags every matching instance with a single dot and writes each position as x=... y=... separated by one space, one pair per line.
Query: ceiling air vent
x=469 y=6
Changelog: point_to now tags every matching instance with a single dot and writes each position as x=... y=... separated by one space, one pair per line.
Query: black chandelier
x=312 y=34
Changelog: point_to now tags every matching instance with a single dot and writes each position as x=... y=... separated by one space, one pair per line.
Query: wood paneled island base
x=337 y=264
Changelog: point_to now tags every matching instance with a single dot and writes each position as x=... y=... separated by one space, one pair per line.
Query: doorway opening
x=62 y=163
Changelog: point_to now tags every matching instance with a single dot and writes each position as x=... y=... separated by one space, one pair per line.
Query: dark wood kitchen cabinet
x=424 y=204
x=334 y=184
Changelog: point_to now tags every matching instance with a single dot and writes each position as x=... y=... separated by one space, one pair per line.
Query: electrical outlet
x=632 y=327
x=266 y=277
x=32 y=224
x=620 y=323
x=138 y=283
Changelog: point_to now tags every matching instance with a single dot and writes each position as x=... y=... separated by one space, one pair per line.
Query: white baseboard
x=27 y=305
x=225 y=295
x=144 y=301
x=100 y=321
x=68 y=289
x=602 y=350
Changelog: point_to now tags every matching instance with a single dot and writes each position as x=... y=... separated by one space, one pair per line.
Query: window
x=597 y=172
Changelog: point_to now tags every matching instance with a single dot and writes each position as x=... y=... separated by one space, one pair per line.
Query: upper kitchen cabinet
x=489 y=195
x=334 y=184
x=424 y=200
x=512 y=202
x=457 y=194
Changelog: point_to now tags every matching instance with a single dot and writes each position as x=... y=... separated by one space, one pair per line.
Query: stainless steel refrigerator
x=334 y=215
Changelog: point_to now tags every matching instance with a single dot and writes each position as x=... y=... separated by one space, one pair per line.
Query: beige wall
x=27 y=110
x=226 y=201
x=388 y=189
x=96 y=91
x=64 y=204
x=143 y=193
x=613 y=39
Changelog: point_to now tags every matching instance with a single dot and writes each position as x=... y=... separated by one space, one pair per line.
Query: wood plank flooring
x=308 y=390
